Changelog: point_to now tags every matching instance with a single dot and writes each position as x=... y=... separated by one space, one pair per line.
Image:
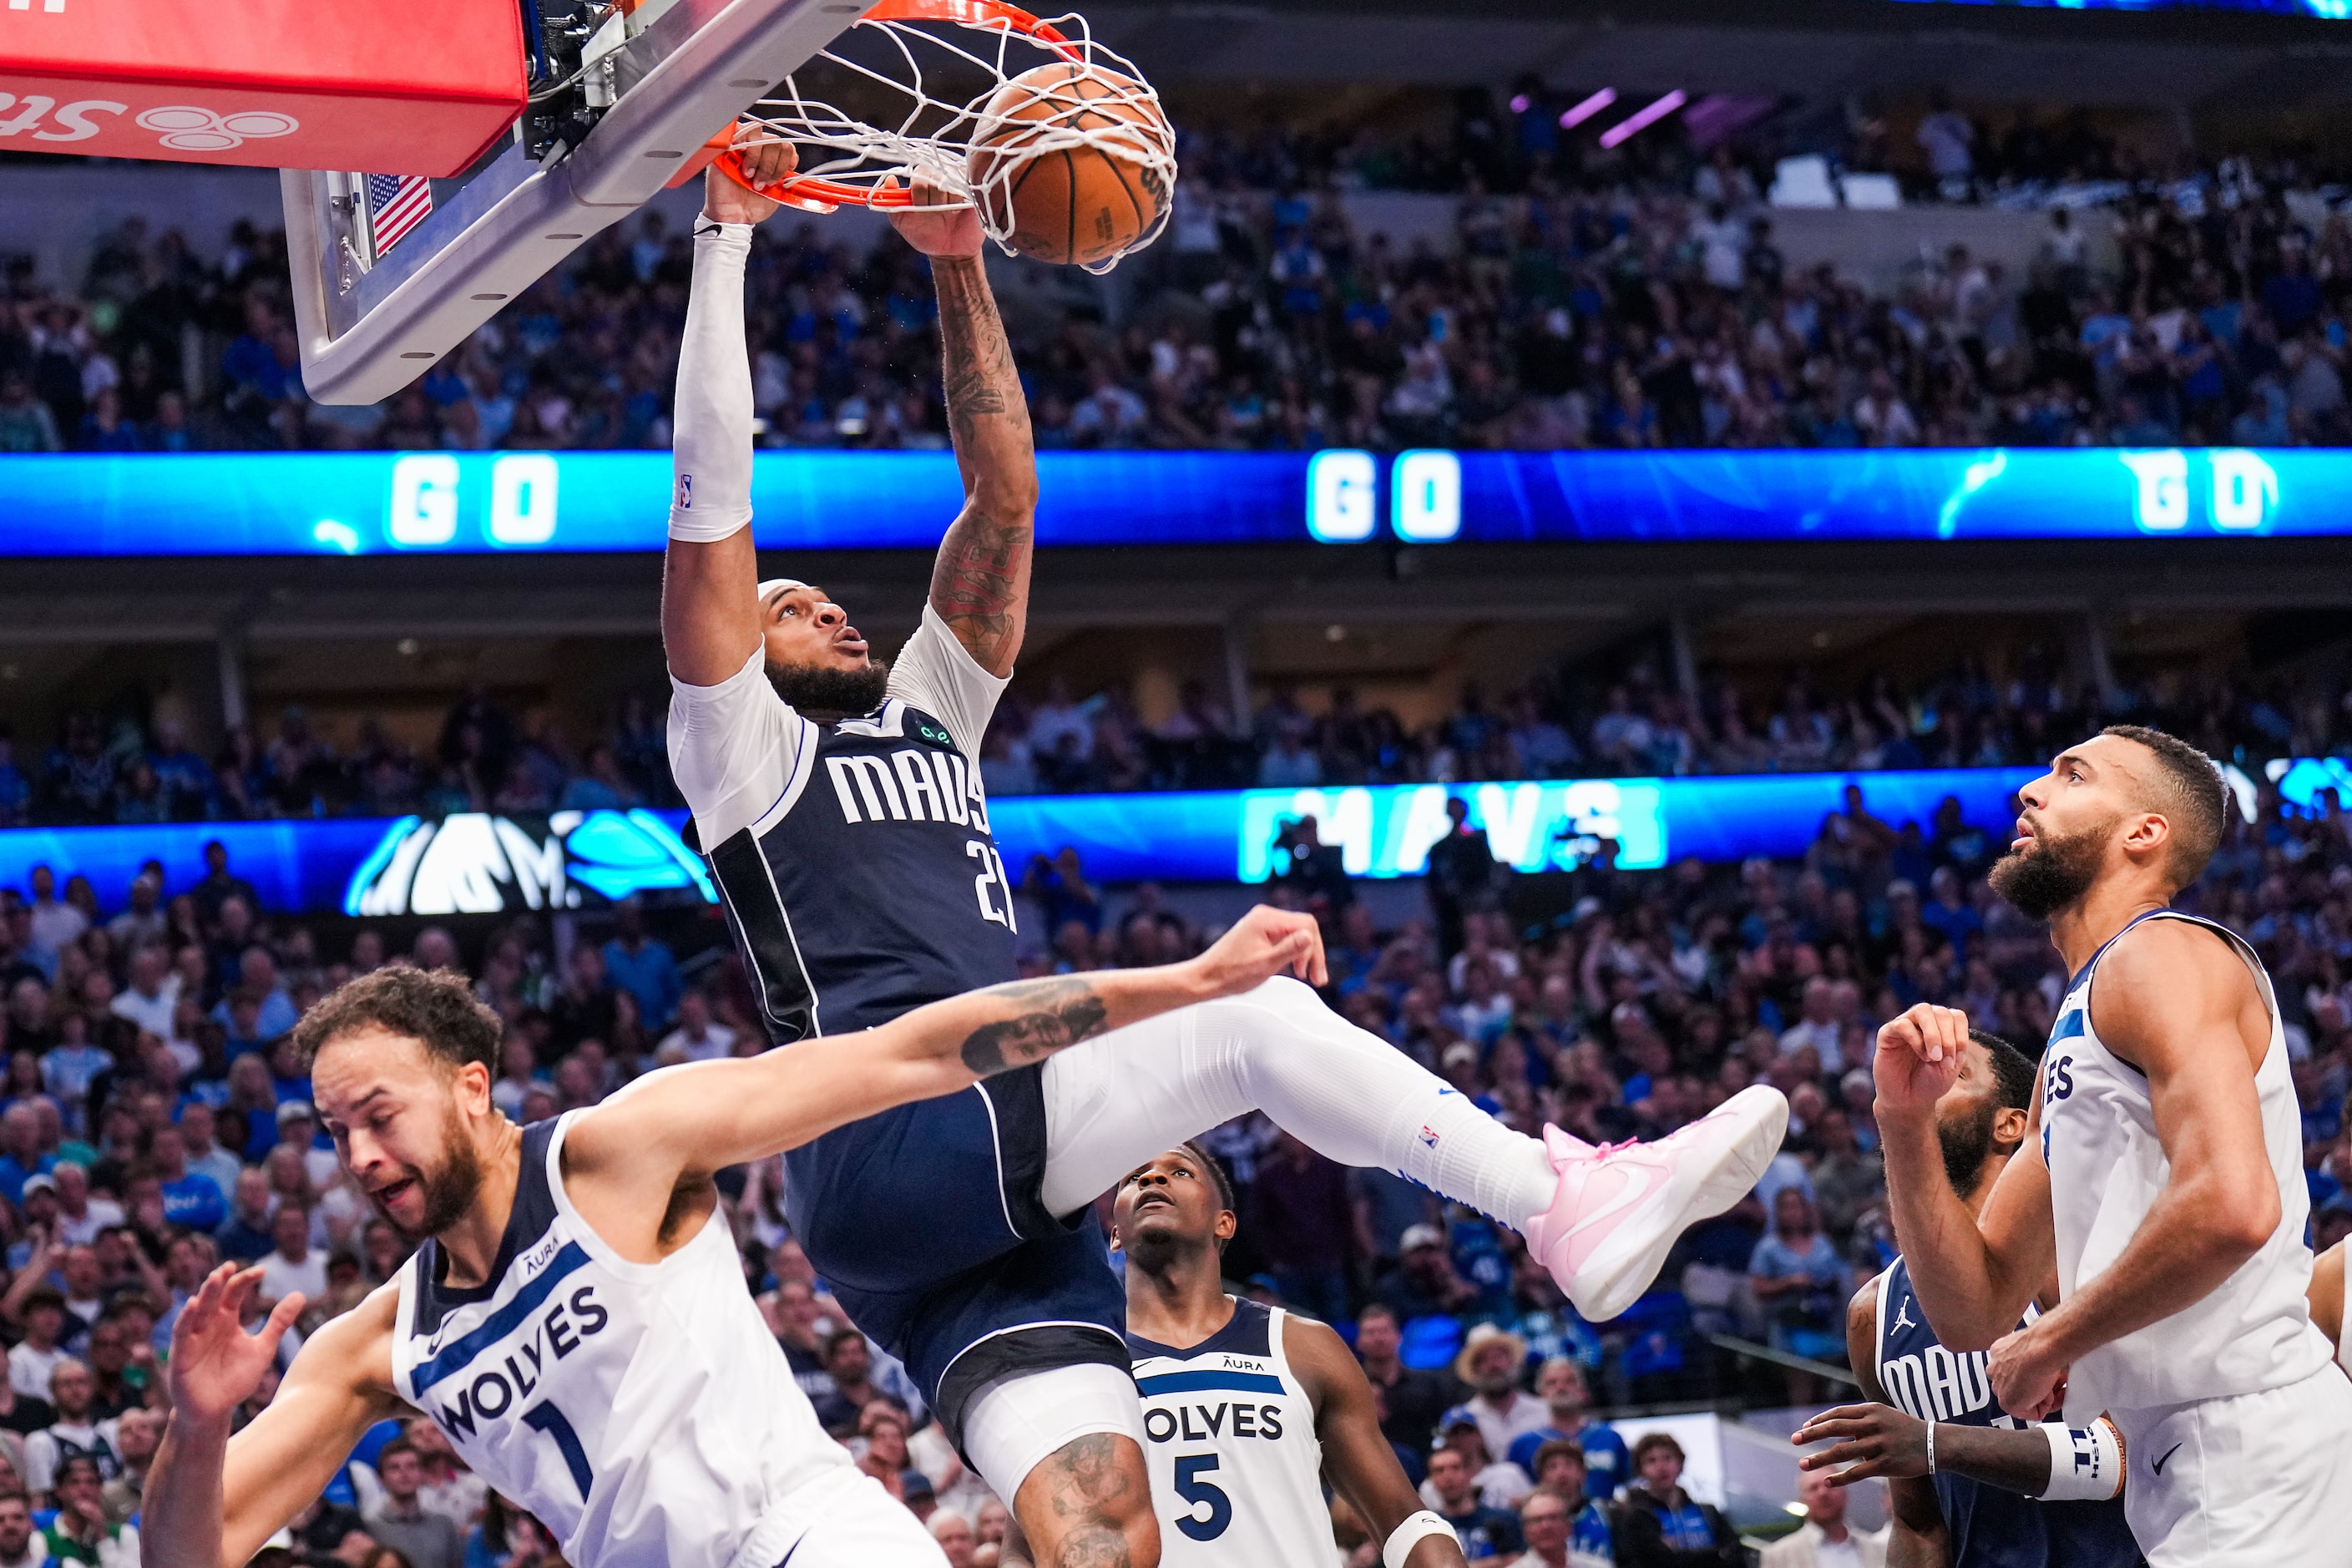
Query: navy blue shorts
x=926 y=1222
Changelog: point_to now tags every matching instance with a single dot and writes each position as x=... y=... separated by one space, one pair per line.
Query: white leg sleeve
x=1113 y=1102
x=712 y=421
x=1017 y=1422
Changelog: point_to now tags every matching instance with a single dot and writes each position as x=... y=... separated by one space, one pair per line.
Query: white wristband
x=2085 y=1466
x=1416 y=1529
x=1931 y=1448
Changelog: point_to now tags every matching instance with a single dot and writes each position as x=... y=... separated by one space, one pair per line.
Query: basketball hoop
x=929 y=80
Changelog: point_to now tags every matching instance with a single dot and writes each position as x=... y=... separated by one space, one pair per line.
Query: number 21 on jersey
x=992 y=886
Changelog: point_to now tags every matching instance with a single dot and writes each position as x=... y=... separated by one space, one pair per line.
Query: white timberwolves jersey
x=642 y=1411
x=2098 y=1136
x=1236 y=1468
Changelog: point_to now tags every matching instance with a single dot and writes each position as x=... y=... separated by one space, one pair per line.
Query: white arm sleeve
x=938 y=674
x=711 y=496
x=734 y=749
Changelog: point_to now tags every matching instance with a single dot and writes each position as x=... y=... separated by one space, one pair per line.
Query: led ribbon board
x=504 y=502
x=485 y=863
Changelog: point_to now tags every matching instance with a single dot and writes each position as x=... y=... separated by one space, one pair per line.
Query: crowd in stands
x=1636 y=299
x=1045 y=740
x=122 y=770
x=153 y=1120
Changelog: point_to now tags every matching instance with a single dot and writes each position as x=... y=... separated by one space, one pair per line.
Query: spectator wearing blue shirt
x=1559 y=1521
x=1601 y=1460
x=244 y=1236
x=1804 y=1285
x=274 y=1013
x=21 y=1155
x=1661 y=1525
x=1561 y=1472
x=642 y=967
x=191 y=1201
x=1486 y=1533
x=67 y=1068
x=1947 y=910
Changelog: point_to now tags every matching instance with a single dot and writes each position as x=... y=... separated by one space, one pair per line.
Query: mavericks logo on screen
x=476 y=863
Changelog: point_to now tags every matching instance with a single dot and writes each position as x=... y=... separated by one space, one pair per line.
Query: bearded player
x=839 y=800
x=1248 y=1409
x=577 y=1319
x=2161 y=1184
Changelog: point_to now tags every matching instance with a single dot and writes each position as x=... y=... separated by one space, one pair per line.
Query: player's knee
x=1293 y=1000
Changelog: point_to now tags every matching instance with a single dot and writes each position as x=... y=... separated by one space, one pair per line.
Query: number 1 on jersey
x=991 y=875
x=545 y=1417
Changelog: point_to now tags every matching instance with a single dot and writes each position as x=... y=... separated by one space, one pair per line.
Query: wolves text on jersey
x=554 y=1332
x=1162 y=1425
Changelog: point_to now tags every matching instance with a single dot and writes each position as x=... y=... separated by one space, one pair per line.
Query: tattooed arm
x=625 y=1159
x=979 y=584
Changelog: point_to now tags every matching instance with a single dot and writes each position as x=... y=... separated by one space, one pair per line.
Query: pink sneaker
x=1620 y=1207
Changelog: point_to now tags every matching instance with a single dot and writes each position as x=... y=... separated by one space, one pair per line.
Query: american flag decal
x=396 y=204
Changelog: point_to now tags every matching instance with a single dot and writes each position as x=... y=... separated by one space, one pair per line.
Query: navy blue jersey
x=860 y=880
x=1988 y=1528
x=874 y=885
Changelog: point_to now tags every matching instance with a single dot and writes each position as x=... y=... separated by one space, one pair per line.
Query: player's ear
x=471 y=1084
x=2150 y=837
x=1225 y=1226
x=2011 y=1128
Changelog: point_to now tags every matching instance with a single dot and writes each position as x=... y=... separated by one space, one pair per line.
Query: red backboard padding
x=420 y=87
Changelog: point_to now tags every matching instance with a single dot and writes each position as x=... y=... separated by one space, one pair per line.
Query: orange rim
x=814 y=193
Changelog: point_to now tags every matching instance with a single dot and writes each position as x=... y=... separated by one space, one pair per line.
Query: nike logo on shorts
x=2157 y=1465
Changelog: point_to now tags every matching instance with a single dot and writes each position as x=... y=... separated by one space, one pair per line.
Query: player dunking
x=839 y=800
x=1248 y=1408
x=576 y=1320
x=2162 y=1182
x=2005 y=1493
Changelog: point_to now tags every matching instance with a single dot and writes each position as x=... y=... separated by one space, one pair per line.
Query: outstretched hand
x=1263 y=943
x=1920 y=1054
x=1870 y=1440
x=215 y=1364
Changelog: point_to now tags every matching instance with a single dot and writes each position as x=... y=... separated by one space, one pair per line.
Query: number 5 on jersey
x=1190 y=1468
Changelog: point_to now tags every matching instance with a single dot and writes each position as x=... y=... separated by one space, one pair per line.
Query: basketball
x=1046 y=165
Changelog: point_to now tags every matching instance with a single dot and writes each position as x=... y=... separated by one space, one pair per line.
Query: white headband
x=778 y=585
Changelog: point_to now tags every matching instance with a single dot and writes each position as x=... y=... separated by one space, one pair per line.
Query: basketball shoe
x=1620 y=1206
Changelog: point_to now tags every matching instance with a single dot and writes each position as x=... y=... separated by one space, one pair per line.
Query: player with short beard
x=2160 y=1183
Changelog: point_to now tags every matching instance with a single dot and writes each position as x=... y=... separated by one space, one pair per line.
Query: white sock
x=1115 y=1102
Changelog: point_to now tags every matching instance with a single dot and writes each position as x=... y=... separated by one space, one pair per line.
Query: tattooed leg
x=1089 y=1506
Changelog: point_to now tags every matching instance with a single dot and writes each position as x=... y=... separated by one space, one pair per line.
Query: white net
x=910 y=91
